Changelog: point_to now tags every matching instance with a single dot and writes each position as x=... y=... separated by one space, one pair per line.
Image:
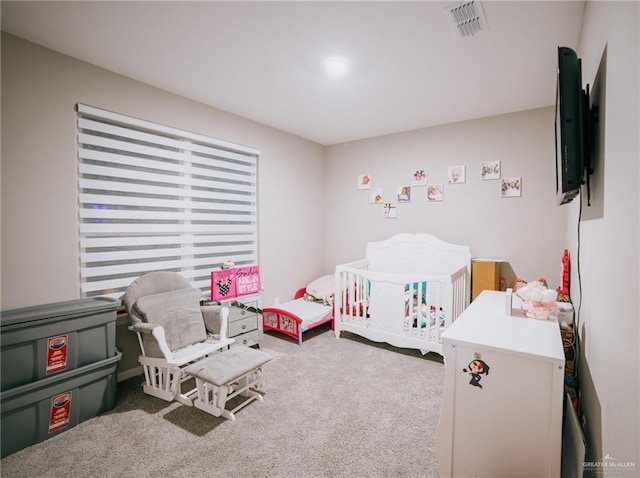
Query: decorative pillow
x=178 y=312
x=322 y=287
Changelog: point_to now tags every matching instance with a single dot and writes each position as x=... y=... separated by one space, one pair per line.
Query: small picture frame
x=376 y=196
x=419 y=177
x=364 y=181
x=456 y=174
x=510 y=187
x=490 y=170
x=403 y=194
x=435 y=192
x=389 y=210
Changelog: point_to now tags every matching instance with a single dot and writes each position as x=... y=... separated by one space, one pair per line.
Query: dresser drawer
x=243 y=326
x=238 y=313
x=249 y=339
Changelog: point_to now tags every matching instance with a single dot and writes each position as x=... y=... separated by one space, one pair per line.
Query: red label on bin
x=60 y=412
x=57 y=353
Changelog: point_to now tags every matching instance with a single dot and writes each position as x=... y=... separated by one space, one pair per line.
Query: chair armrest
x=216 y=318
x=143 y=327
x=153 y=333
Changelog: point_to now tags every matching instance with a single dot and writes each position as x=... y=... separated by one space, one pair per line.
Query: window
x=156 y=198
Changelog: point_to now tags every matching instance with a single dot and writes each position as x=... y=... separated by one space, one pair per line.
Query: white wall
x=609 y=240
x=527 y=231
x=39 y=181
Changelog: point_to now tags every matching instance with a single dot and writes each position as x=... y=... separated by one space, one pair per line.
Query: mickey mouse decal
x=476 y=368
x=224 y=286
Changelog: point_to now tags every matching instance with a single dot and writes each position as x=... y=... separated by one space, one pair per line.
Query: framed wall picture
x=510 y=187
x=376 y=196
x=403 y=194
x=419 y=177
x=389 y=210
x=364 y=181
x=490 y=170
x=456 y=174
x=435 y=192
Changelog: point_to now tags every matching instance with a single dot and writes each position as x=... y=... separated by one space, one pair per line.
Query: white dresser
x=502 y=406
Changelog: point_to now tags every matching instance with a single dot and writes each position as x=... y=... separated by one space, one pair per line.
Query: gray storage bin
x=42 y=341
x=37 y=411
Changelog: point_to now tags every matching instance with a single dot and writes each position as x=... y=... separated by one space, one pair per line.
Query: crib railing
x=416 y=307
x=460 y=287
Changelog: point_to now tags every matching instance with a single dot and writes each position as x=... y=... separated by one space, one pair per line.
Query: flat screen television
x=570 y=126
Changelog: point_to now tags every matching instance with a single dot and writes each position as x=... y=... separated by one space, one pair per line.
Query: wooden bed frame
x=278 y=319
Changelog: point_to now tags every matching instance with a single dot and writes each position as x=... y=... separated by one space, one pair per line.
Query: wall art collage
x=418 y=186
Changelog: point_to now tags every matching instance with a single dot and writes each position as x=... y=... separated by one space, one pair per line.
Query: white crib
x=406 y=292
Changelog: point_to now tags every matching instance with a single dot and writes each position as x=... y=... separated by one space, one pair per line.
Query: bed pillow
x=322 y=288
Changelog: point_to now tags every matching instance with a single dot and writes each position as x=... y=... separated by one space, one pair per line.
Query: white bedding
x=309 y=312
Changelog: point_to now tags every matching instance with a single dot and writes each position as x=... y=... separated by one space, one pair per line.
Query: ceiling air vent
x=467 y=18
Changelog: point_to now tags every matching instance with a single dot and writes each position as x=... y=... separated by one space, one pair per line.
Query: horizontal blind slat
x=123 y=282
x=147 y=176
x=131 y=241
x=100 y=271
x=211 y=152
x=204 y=166
x=106 y=228
x=145 y=215
x=105 y=199
x=137 y=254
x=148 y=190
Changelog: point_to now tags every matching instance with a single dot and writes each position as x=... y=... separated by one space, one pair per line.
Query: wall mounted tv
x=571 y=126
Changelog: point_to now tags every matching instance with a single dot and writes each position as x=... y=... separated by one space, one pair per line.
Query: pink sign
x=248 y=280
x=223 y=284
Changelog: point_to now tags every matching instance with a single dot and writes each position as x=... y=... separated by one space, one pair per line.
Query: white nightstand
x=245 y=322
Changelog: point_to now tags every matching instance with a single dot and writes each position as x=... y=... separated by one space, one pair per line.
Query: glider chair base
x=164 y=379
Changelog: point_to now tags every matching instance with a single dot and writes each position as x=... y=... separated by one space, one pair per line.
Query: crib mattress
x=309 y=312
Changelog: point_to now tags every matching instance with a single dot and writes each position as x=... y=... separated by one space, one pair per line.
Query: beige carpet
x=333 y=408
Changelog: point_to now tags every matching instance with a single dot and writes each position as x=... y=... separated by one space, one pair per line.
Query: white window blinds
x=155 y=198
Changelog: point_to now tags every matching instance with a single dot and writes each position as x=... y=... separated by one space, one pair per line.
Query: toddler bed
x=310 y=308
x=406 y=292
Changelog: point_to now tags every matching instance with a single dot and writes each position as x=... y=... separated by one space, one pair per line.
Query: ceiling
x=407 y=68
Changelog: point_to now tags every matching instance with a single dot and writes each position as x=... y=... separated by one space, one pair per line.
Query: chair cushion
x=151 y=283
x=224 y=367
x=178 y=312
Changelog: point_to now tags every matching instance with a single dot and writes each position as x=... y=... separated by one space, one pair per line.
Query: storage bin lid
x=57 y=310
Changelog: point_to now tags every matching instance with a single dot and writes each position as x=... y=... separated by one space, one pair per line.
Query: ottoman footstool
x=226 y=375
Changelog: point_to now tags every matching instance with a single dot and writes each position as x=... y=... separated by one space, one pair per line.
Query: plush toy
x=228 y=265
x=537 y=291
x=518 y=283
x=538 y=302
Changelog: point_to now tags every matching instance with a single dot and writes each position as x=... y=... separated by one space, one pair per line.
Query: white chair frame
x=164 y=376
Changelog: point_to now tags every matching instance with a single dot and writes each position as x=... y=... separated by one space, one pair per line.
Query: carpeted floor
x=332 y=408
